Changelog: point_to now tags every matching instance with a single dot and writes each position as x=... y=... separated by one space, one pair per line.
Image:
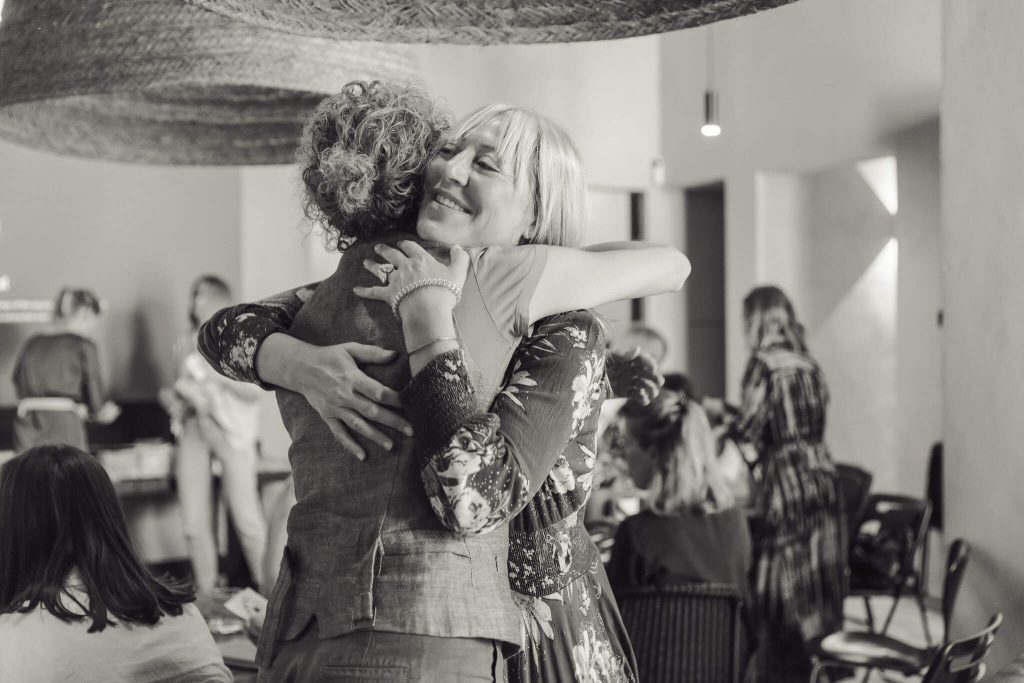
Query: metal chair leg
x=924 y=619
x=871 y=617
x=892 y=610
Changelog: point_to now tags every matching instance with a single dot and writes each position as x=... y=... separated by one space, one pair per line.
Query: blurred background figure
x=57 y=377
x=692 y=528
x=644 y=337
x=215 y=417
x=796 y=517
x=76 y=602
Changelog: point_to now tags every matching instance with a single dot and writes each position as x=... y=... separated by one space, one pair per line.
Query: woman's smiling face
x=471 y=196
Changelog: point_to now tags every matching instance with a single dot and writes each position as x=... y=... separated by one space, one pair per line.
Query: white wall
x=828 y=241
x=983 y=363
x=137 y=235
x=605 y=94
x=802 y=87
x=919 y=299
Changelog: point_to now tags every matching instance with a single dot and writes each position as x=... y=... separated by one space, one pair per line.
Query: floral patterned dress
x=528 y=462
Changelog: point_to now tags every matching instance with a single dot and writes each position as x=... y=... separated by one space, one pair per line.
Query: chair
x=878 y=651
x=933 y=493
x=884 y=551
x=961 y=661
x=854 y=485
x=686 y=633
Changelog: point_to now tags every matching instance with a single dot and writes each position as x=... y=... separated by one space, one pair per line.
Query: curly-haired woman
x=436 y=601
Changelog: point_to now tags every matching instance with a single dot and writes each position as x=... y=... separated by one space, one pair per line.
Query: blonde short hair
x=539 y=150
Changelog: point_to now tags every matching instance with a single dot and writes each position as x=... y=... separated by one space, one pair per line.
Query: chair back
x=854 y=486
x=888 y=538
x=933 y=487
x=685 y=633
x=962 y=661
x=956 y=565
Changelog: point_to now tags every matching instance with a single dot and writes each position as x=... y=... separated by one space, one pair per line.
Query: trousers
x=199 y=441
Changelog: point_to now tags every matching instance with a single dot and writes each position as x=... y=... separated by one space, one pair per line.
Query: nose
x=456 y=169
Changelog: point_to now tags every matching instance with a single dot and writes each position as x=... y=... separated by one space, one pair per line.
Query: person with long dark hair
x=76 y=602
x=797 y=520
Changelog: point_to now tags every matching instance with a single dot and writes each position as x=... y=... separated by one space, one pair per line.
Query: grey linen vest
x=365 y=550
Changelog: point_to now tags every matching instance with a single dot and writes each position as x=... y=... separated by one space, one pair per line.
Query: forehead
x=508 y=133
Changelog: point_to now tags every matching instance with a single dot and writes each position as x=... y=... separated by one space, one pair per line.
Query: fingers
x=413 y=250
x=381 y=415
x=377 y=392
x=459 y=261
x=645 y=391
x=368 y=353
x=391 y=255
x=344 y=438
x=375 y=293
x=356 y=423
x=374 y=269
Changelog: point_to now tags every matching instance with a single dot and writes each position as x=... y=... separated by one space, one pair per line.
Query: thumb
x=368 y=353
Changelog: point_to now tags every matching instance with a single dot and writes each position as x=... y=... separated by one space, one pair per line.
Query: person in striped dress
x=796 y=517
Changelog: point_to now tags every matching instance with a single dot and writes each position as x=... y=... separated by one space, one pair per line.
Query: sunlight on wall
x=880 y=175
x=856 y=343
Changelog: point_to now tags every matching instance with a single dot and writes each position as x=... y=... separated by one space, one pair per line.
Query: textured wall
x=983 y=361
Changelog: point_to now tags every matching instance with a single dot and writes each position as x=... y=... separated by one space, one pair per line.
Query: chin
x=430 y=230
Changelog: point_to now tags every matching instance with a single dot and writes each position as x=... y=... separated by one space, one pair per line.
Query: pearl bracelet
x=425 y=282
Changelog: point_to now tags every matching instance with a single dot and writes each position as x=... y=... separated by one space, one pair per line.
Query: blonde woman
x=692 y=531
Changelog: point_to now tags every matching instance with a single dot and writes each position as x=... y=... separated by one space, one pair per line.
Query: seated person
x=76 y=603
x=692 y=529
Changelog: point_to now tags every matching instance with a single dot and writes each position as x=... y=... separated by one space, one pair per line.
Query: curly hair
x=362 y=156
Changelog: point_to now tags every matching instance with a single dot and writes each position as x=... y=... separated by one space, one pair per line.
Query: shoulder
x=483 y=259
x=582 y=329
x=779 y=358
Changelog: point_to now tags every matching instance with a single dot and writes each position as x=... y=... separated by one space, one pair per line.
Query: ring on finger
x=383 y=270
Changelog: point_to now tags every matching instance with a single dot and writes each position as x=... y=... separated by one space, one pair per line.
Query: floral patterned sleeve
x=755 y=409
x=481 y=468
x=231 y=337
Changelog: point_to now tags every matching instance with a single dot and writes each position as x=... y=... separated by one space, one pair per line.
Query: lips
x=449 y=202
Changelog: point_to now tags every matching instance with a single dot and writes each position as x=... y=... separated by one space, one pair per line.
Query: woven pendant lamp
x=482 y=22
x=164 y=82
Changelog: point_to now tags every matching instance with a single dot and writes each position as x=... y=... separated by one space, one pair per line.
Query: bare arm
x=574 y=279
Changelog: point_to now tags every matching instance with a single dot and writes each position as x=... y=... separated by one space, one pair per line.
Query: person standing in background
x=57 y=378
x=797 y=522
x=214 y=417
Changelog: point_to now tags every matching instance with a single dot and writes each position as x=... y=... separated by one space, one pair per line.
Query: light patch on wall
x=880 y=175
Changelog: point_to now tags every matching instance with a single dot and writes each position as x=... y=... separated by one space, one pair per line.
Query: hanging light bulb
x=711 y=129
